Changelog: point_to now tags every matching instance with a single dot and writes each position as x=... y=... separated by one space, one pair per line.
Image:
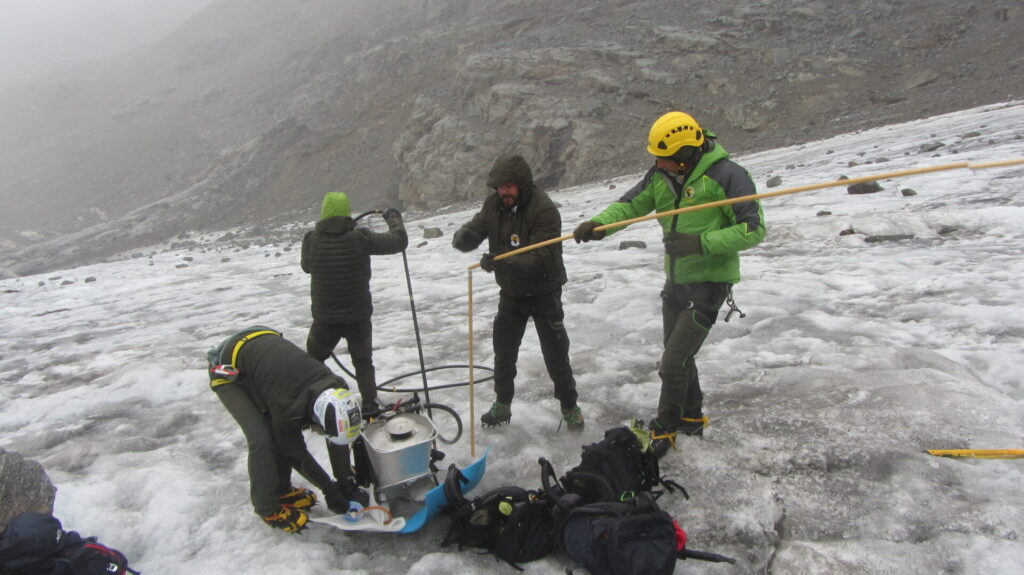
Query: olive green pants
x=269 y=473
x=688 y=312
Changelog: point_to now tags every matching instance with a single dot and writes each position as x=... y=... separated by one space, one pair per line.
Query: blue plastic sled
x=379 y=520
x=435 y=499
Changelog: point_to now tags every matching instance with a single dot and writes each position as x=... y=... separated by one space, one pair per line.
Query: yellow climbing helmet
x=673 y=131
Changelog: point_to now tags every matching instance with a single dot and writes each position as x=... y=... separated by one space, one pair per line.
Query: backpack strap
x=554 y=490
x=588 y=483
x=453 y=488
x=222 y=373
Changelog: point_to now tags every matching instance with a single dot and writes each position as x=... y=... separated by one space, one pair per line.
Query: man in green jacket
x=274 y=390
x=514 y=215
x=701 y=254
x=336 y=255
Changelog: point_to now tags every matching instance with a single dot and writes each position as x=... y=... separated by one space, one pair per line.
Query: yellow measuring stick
x=980 y=453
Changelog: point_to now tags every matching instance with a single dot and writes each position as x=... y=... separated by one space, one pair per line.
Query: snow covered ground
x=855 y=357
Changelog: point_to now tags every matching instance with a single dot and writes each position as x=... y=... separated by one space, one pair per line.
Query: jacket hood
x=512 y=168
x=335 y=204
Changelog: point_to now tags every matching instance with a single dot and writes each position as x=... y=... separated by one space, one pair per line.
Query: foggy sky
x=37 y=35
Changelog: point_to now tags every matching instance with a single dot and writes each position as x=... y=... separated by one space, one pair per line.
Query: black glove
x=586 y=232
x=392 y=216
x=487 y=263
x=465 y=240
x=335 y=498
x=681 y=245
x=354 y=492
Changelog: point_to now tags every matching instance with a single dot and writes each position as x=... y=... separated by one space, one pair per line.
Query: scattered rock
x=431 y=233
x=180 y=266
x=864 y=188
x=66 y=282
x=888 y=238
x=930 y=147
x=90 y=279
x=824 y=213
x=908 y=192
x=847 y=232
x=774 y=182
x=625 y=245
x=24 y=486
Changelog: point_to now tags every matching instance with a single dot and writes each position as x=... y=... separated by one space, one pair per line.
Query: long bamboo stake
x=472 y=413
x=796 y=190
x=980 y=453
x=751 y=198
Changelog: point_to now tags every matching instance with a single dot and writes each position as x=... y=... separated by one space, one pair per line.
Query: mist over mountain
x=252 y=109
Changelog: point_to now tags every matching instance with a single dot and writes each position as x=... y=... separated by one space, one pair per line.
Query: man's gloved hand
x=335 y=498
x=487 y=263
x=354 y=493
x=681 y=245
x=585 y=232
x=391 y=215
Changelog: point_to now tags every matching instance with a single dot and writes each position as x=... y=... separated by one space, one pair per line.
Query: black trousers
x=688 y=311
x=323 y=337
x=509 y=326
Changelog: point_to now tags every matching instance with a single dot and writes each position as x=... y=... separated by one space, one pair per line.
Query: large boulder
x=24 y=486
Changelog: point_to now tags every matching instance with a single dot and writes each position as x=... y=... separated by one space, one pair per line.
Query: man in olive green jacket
x=271 y=387
x=701 y=253
x=516 y=214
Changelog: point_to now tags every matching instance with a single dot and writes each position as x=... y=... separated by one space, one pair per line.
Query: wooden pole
x=754 y=197
x=472 y=412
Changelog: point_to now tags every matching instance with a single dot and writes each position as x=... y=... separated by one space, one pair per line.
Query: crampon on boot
x=498 y=414
x=662 y=438
x=289 y=519
x=693 y=426
x=298 y=498
x=573 y=419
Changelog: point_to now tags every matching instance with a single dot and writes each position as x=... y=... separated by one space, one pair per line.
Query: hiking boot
x=693 y=426
x=289 y=519
x=573 y=419
x=662 y=438
x=298 y=498
x=498 y=414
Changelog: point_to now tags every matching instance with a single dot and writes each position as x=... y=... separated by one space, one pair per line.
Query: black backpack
x=37 y=544
x=631 y=537
x=616 y=468
x=511 y=522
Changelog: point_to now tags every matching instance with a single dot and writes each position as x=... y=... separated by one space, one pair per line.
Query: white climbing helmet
x=336 y=411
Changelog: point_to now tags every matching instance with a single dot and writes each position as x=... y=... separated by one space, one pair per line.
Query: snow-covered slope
x=855 y=357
